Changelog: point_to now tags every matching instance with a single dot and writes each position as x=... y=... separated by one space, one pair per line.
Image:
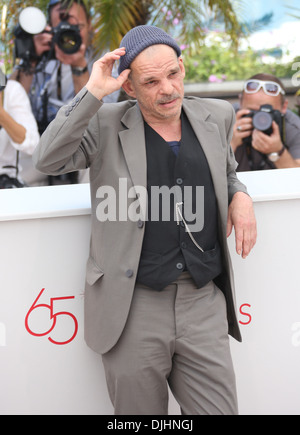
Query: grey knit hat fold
x=141 y=37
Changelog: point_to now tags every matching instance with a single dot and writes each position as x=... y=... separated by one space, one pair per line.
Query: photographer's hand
x=76 y=59
x=273 y=144
x=42 y=41
x=267 y=144
x=16 y=131
x=101 y=82
x=242 y=128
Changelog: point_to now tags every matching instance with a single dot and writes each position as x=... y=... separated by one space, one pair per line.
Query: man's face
x=156 y=81
x=254 y=101
x=76 y=16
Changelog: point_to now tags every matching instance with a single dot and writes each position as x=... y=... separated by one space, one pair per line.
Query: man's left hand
x=241 y=216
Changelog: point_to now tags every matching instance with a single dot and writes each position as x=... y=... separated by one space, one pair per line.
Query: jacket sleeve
x=70 y=140
x=234 y=184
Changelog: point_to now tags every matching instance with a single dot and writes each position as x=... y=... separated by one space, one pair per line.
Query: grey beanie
x=141 y=37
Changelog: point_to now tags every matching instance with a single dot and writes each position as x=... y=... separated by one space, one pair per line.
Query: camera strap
x=283 y=135
x=59 y=82
x=44 y=122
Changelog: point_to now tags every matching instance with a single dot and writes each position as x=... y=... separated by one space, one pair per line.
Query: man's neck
x=169 y=130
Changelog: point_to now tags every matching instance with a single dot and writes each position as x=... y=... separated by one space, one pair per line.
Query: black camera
x=67 y=37
x=31 y=22
x=262 y=120
x=7 y=182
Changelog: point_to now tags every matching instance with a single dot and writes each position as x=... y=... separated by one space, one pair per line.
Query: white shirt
x=16 y=103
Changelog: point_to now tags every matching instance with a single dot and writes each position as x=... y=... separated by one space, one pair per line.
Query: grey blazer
x=110 y=140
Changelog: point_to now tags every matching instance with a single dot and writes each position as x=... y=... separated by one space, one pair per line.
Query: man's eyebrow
x=151 y=78
x=148 y=79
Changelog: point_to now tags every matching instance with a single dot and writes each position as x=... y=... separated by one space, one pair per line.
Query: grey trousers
x=176 y=337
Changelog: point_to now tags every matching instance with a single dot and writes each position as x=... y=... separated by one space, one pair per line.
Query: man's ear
x=128 y=88
x=181 y=66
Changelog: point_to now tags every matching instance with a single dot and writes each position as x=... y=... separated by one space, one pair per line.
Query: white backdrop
x=45 y=365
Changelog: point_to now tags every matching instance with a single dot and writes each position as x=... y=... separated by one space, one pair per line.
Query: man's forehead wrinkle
x=151 y=71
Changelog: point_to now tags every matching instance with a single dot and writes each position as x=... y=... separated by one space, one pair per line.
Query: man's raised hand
x=101 y=82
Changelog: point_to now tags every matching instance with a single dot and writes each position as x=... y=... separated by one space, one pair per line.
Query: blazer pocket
x=93 y=272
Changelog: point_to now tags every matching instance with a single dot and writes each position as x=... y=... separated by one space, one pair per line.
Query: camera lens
x=262 y=121
x=67 y=37
x=69 y=41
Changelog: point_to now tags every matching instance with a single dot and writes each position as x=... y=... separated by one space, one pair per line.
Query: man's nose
x=166 y=87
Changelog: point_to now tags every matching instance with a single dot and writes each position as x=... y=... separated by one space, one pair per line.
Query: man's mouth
x=168 y=103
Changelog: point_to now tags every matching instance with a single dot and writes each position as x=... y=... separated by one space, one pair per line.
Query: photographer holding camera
x=266 y=134
x=60 y=64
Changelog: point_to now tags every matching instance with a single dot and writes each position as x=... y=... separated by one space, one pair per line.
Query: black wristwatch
x=79 y=70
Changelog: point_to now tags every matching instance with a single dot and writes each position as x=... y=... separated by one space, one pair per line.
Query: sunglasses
x=270 y=88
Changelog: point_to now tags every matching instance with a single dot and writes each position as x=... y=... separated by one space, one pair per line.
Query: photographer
x=256 y=149
x=53 y=81
x=18 y=133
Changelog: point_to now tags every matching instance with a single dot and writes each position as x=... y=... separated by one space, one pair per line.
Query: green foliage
x=113 y=19
x=216 y=61
x=186 y=20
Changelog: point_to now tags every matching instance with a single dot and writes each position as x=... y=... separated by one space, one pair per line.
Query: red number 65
x=53 y=317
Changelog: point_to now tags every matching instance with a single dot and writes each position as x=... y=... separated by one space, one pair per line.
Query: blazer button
x=140 y=223
x=179 y=181
x=129 y=273
x=179 y=266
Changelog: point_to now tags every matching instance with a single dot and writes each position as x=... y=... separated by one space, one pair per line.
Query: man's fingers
x=246 y=239
x=241 y=216
x=112 y=56
x=123 y=76
x=101 y=81
x=239 y=240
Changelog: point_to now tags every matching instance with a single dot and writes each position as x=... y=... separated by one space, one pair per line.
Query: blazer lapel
x=209 y=138
x=133 y=145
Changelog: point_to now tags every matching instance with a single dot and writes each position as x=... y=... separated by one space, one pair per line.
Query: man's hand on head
x=101 y=82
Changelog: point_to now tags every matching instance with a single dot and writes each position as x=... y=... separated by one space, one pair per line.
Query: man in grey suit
x=159 y=297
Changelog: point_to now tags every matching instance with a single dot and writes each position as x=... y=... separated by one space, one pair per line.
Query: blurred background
x=223 y=41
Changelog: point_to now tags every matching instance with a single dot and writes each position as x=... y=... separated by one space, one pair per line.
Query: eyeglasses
x=270 y=88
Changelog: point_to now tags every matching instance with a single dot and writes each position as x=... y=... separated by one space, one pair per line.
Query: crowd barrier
x=45 y=365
